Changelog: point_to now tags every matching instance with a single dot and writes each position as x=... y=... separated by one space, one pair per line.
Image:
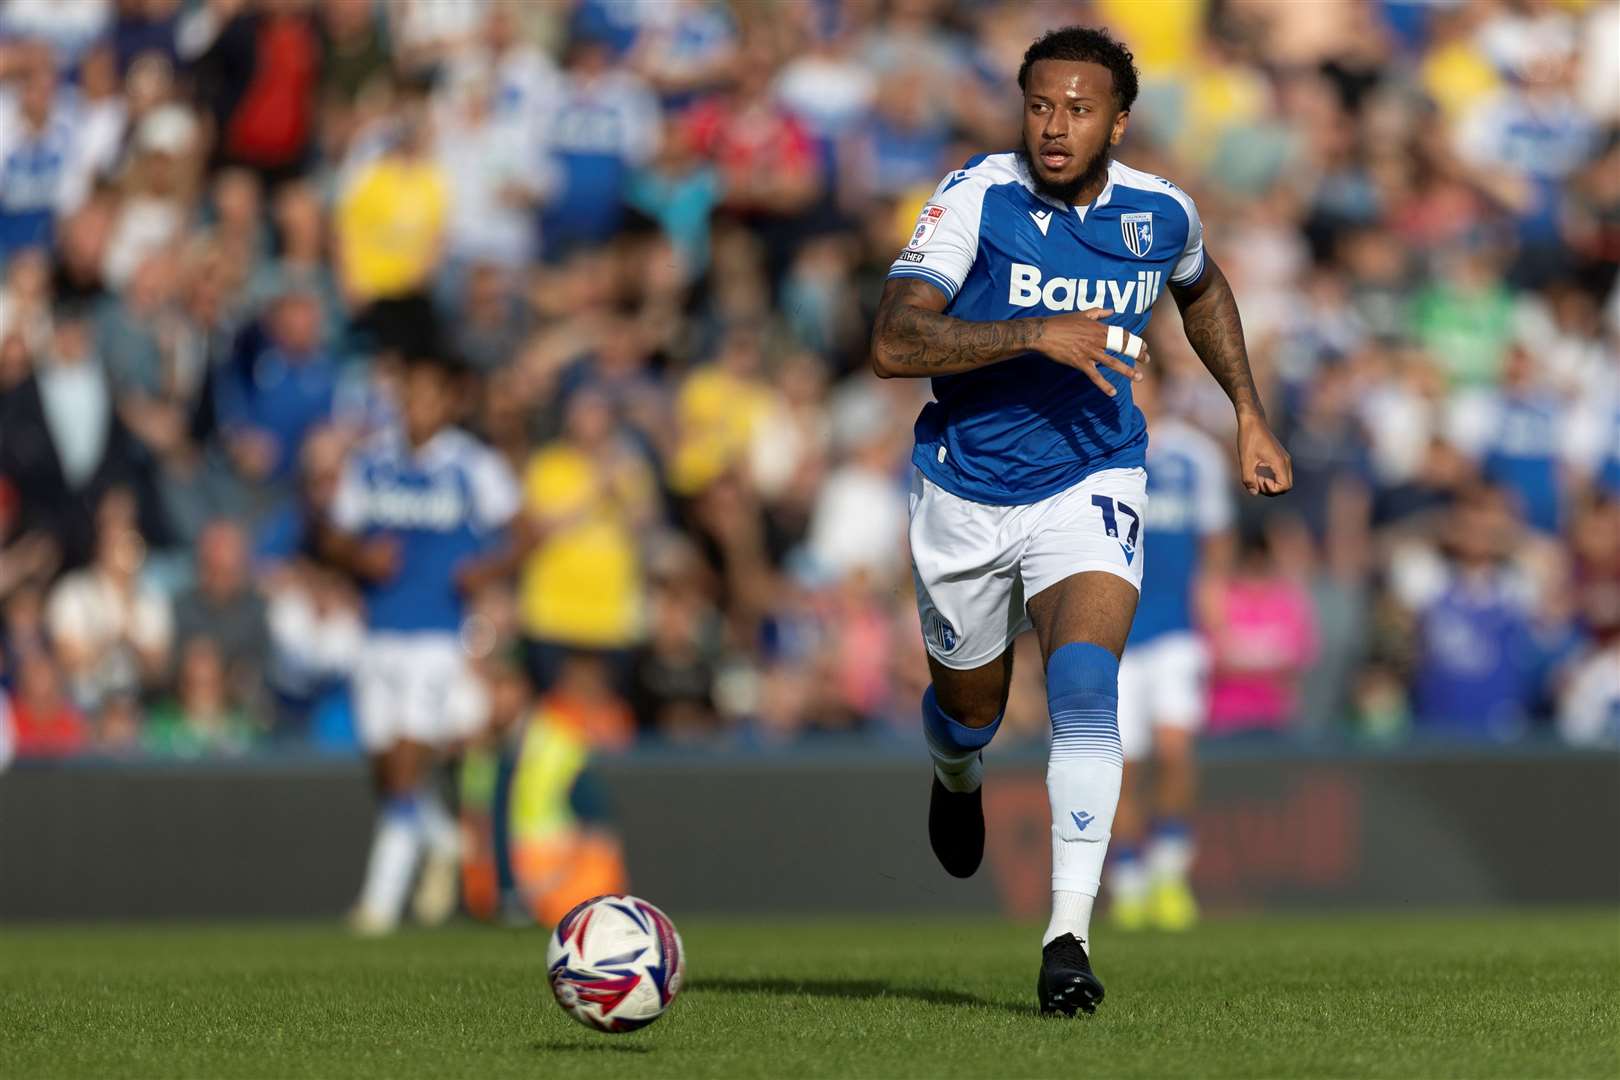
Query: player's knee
x=973 y=709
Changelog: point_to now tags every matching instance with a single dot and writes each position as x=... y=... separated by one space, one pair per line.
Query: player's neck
x=415 y=442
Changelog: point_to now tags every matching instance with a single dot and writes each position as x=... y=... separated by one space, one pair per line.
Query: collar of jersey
x=439 y=448
x=1028 y=181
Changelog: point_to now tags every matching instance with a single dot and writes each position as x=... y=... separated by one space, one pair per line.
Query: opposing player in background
x=421 y=517
x=1022 y=294
x=1163 y=676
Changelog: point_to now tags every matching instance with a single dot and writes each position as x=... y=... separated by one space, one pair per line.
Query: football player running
x=1023 y=294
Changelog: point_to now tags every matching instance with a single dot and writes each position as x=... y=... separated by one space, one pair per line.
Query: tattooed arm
x=913 y=339
x=1210 y=316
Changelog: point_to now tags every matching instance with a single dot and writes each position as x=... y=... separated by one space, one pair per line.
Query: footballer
x=424 y=515
x=1023 y=294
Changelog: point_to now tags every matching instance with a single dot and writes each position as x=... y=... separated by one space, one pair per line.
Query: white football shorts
x=975 y=564
x=418 y=688
x=1161 y=685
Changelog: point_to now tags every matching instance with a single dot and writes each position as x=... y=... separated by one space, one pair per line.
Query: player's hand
x=378 y=559
x=1083 y=342
x=1263 y=464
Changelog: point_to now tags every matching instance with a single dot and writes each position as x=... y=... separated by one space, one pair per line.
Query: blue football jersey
x=1518 y=441
x=1189 y=498
x=1027 y=428
x=443 y=505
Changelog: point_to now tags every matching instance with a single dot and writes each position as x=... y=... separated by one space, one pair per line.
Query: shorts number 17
x=1111 y=522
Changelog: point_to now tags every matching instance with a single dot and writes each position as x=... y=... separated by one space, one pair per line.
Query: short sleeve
x=495 y=492
x=348 y=511
x=945 y=240
x=1190 y=266
x=1214 y=499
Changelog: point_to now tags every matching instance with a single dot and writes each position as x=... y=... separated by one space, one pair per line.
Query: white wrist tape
x=1121 y=342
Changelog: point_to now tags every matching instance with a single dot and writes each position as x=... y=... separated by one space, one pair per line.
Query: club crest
x=1138 y=232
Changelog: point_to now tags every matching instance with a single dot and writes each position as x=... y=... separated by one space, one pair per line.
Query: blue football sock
x=1083 y=776
x=954 y=746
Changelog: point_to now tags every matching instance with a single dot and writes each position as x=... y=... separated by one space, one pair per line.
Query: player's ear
x=1120 y=122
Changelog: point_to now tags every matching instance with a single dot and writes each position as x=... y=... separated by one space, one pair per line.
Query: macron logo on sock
x=1081 y=819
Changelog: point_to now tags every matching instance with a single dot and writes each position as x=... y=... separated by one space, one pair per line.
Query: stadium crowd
x=657 y=233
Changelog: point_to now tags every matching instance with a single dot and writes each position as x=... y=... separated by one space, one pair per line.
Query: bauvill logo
x=1027 y=288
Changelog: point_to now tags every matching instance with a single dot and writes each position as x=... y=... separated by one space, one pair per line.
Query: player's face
x=1070 y=121
x=429 y=401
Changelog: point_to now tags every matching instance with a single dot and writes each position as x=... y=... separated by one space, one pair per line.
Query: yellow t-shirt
x=582 y=585
x=717 y=414
x=1164 y=36
x=389 y=225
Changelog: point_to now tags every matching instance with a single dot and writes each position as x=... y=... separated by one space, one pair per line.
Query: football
x=616 y=963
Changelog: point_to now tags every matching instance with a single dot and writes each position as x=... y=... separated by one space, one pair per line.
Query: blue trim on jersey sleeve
x=976 y=159
x=933 y=277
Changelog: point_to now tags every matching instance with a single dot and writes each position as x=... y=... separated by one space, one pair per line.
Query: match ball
x=615 y=963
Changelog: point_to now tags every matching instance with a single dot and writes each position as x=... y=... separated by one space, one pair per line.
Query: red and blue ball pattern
x=615 y=963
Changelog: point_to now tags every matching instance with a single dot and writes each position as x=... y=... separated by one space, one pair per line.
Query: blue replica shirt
x=282 y=397
x=595 y=138
x=443 y=505
x=35 y=179
x=1188 y=500
x=1518 y=441
x=1027 y=428
x=1477 y=660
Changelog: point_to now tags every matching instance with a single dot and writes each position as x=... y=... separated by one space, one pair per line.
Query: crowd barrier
x=833 y=833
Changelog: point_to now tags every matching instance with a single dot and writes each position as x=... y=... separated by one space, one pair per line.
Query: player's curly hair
x=1088 y=44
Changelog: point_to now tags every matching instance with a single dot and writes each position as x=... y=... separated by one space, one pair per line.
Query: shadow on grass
x=849 y=988
x=595 y=1046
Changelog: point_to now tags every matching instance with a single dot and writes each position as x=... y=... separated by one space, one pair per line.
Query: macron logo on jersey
x=1027 y=287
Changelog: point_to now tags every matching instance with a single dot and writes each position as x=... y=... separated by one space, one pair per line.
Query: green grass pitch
x=1511 y=994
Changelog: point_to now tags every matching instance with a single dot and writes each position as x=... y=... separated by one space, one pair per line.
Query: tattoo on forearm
x=1216 y=334
x=916 y=340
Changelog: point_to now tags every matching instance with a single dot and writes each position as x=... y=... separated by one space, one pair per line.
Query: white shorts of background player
x=1162 y=683
x=417 y=687
x=975 y=564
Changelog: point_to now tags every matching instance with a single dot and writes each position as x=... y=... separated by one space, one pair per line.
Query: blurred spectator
x=391 y=219
x=1264 y=645
x=674 y=673
x=1517 y=433
x=604 y=124
x=589 y=495
x=718 y=410
x=287 y=390
x=765 y=155
x=44 y=720
x=258 y=68
x=1477 y=655
x=111 y=631
x=63 y=445
x=859 y=521
x=493 y=322
x=204 y=718
x=42 y=169
x=493 y=170
x=224 y=608
x=69 y=29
